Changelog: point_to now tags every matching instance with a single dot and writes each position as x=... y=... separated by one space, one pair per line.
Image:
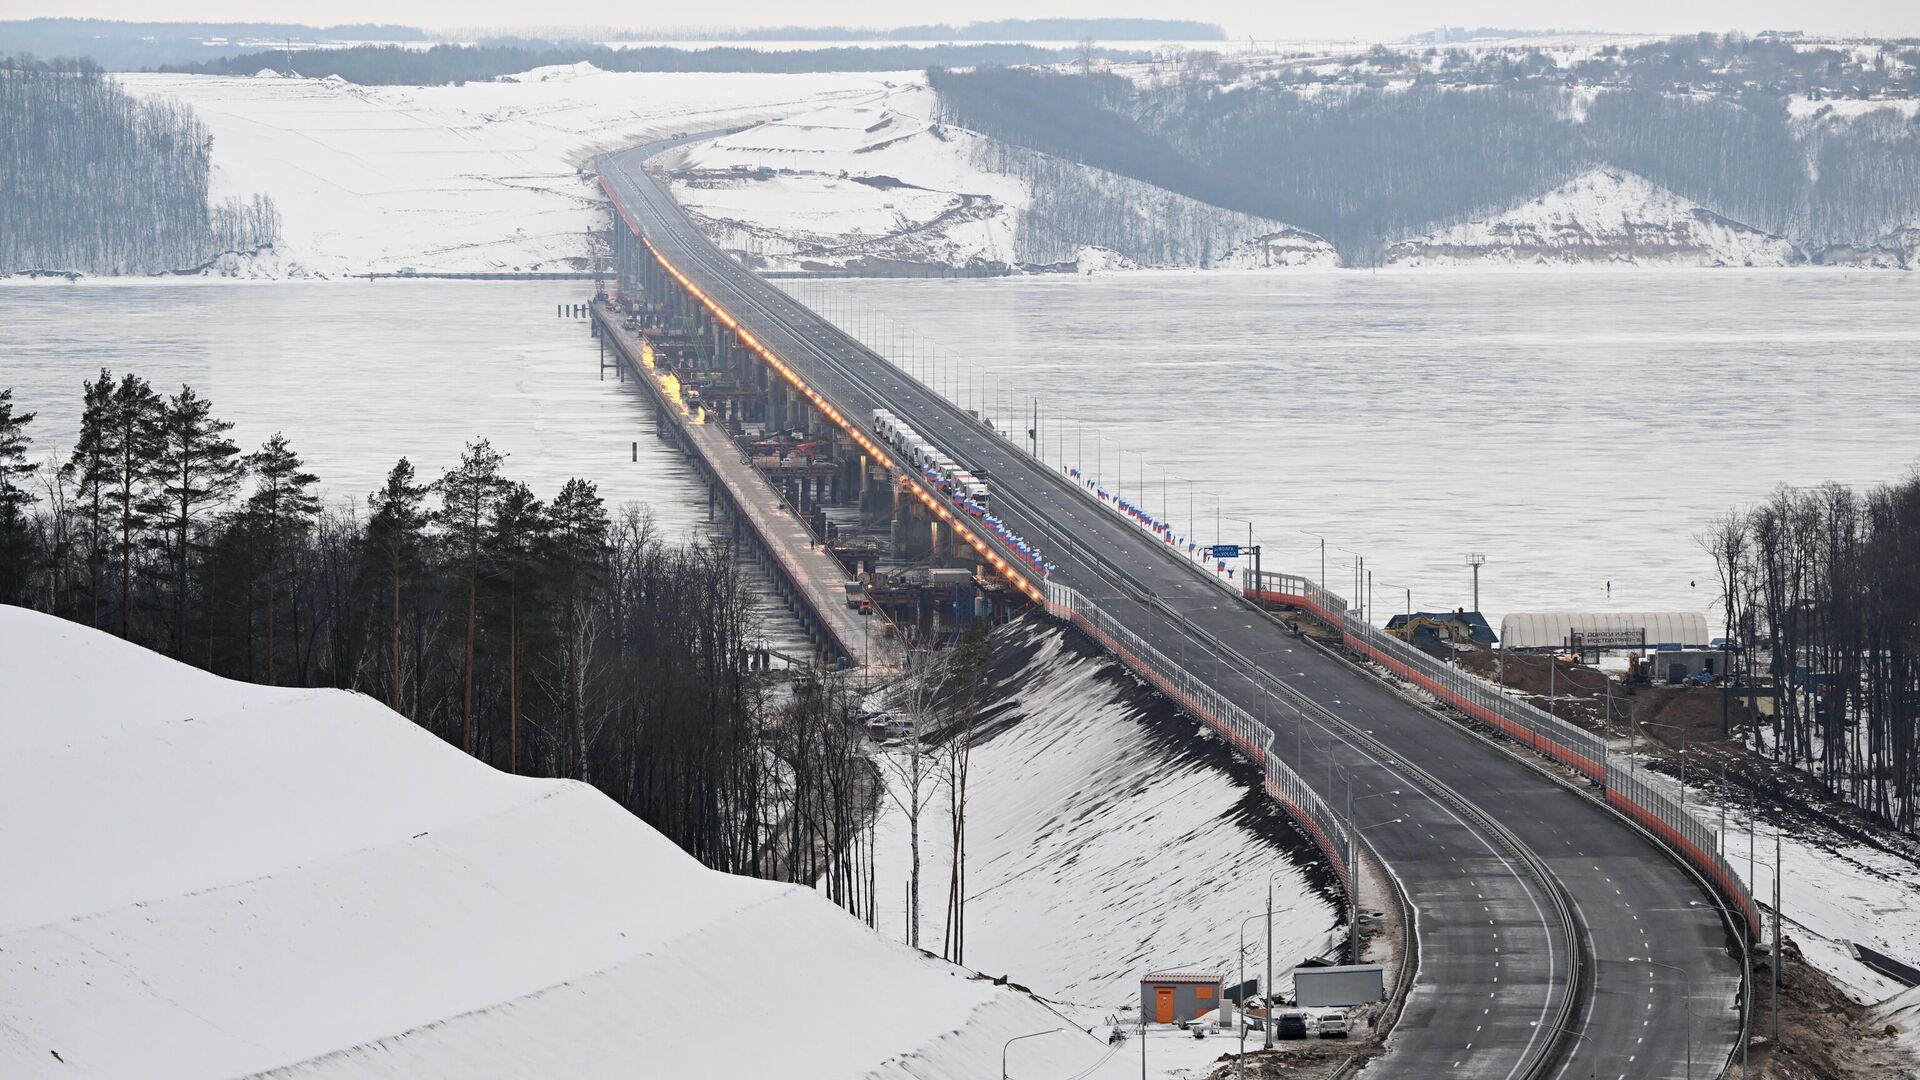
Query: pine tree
x=515 y=537
x=397 y=521
x=16 y=540
x=578 y=550
x=281 y=510
x=132 y=445
x=89 y=470
x=197 y=469
x=468 y=493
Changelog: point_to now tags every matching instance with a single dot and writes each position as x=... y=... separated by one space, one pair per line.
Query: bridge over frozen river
x=1558 y=932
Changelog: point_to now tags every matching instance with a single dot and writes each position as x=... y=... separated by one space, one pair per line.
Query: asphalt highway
x=1534 y=907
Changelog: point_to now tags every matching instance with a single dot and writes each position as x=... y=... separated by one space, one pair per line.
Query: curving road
x=1533 y=905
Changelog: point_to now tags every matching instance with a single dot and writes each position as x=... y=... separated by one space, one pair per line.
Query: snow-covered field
x=481 y=177
x=205 y=878
x=1100 y=846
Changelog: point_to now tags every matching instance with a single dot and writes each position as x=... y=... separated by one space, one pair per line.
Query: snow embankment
x=1106 y=836
x=206 y=878
x=480 y=178
x=880 y=185
x=1835 y=890
x=1605 y=216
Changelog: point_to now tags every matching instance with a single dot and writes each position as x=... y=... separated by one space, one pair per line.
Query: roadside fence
x=1248 y=736
x=1576 y=748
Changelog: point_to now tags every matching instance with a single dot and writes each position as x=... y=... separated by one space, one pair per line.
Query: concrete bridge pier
x=911 y=539
x=942 y=541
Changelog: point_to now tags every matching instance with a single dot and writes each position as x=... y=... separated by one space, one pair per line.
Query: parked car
x=1290 y=1024
x=1330 y=1024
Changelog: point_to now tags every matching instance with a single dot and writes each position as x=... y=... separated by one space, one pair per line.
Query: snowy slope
x=480 y=177
x=1835 y=890
x=1105 y=838
x=1600 y=217
x=878 y=183
x=207 y=879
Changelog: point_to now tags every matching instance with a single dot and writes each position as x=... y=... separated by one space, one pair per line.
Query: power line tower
x=1475 y=559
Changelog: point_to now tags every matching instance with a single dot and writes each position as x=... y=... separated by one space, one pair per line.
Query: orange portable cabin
x=1175 y=997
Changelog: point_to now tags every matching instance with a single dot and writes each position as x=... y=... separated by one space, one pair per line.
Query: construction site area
x=868 y=568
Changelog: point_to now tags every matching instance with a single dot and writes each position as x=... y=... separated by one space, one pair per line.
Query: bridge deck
x=815 y=577
x=1482 y=842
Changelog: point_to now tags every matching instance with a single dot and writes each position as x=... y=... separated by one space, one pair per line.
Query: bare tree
x=913 y=768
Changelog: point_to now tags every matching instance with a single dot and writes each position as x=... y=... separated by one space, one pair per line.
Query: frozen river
x=359 y=374
x=1577 y=428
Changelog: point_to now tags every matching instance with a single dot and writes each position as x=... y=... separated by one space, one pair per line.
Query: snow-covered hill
x=205 y=878
x=1105 y=836
x=482 y=177
x=1605 y=216
x=880 y=184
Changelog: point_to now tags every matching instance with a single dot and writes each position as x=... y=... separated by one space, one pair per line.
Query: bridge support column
x=909 y=533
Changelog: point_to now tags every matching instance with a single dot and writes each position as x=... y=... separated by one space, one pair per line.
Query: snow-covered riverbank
x=474 y=178
x=834 y=172
x=207 y=878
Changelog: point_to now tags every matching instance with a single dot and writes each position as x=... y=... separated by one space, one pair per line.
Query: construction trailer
x=1178 y=996
x=1338 y=985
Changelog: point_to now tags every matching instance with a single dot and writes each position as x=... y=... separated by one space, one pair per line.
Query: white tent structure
x=1603 y=629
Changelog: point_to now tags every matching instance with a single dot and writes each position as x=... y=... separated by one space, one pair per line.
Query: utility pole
x=1269 y=984
x=1779 y=955
x=1475 y=560
x=1553 y=665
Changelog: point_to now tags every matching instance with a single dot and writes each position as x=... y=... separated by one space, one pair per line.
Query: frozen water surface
x=1577 y=427
x=359 y=374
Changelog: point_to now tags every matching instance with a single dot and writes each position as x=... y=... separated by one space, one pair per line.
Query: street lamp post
x=1409 y=592
x=1773 y=1000
x=1683 y=756
x=1359 y=592
x=1353 y=871
x=1252 y=549
x=1268 y=1025
x=1323 y=555
x=1594 y=1074
x=1240 y=1061
x=1688 y=979
x=1015 y=1039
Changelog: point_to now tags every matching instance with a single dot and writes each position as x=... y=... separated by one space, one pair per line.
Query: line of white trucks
x=962 y=486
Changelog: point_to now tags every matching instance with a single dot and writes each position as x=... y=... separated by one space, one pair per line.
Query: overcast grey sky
x=1259 y=18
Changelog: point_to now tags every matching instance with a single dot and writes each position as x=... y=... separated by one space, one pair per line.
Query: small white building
x=1602 y=629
